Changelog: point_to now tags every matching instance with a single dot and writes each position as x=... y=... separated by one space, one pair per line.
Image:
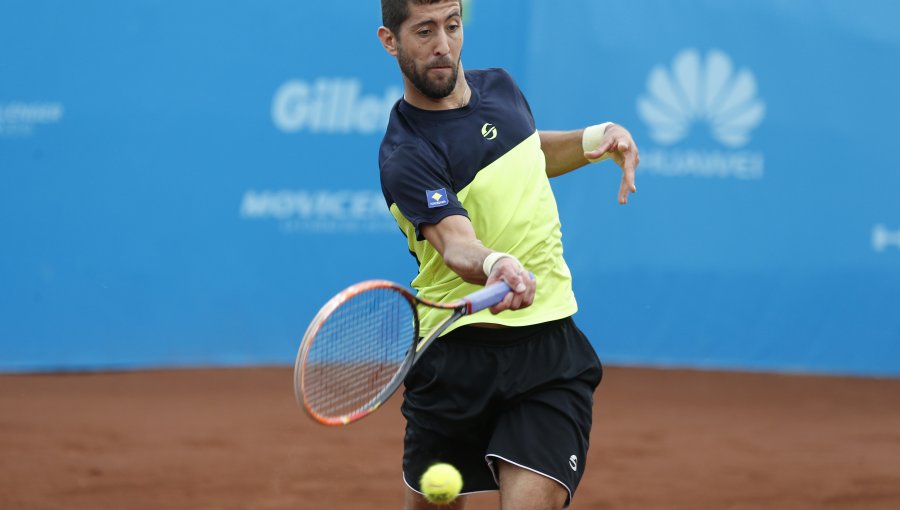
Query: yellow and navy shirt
x=482 y=161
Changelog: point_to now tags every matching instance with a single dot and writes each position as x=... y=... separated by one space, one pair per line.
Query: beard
x=419 y=77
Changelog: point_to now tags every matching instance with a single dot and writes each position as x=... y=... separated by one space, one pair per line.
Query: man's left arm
x=569 y=150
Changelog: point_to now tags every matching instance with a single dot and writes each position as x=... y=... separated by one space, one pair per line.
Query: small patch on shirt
x=436 y=197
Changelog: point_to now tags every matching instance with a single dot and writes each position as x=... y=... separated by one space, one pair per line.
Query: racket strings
x=357 y=352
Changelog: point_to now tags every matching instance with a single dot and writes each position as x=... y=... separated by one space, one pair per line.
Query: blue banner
x=185 y=185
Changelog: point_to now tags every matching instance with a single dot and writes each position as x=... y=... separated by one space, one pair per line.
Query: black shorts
x=523 y=395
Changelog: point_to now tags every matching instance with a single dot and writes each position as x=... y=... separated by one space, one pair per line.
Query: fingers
x=515 y=301
x=618 y=142
x=625 y=154
x=522 y=294
x=516 y=282
x=624 y=190
x=602 y=149
x=502 y=305
x=628 y=162
x=521 y=284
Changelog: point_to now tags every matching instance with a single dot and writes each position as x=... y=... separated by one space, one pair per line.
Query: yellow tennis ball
x=441 y=484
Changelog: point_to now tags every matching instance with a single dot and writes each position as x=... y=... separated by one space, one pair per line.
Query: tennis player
x=505 y=397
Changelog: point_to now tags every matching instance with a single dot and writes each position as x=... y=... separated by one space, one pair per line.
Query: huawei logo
x=699 y=90
x=488 y=131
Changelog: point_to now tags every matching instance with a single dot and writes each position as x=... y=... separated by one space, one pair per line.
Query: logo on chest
x=488 y=131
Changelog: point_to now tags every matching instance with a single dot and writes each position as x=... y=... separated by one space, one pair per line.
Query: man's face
x=429 y=47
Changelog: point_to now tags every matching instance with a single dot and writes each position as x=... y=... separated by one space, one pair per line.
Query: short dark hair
x=395 y=12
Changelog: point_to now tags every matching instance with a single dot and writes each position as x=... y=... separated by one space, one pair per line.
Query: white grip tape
x=591 y=139
x=492 y=259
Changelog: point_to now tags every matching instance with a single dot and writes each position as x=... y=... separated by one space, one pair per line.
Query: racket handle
x=488 y=296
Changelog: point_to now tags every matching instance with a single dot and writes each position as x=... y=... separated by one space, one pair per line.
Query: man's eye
x=453 y=28
x=423 y=33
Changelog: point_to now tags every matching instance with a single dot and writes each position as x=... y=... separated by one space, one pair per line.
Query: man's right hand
x=521 y=282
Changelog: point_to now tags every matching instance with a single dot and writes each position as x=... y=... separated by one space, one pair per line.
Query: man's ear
x=388 y=40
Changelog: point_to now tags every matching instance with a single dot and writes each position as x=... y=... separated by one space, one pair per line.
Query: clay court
x=234 y=439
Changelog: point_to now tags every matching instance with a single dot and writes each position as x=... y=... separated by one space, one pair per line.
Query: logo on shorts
x=436 y=197
x=573 y=463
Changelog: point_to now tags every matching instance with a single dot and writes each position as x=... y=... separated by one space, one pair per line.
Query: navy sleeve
x=419 y=183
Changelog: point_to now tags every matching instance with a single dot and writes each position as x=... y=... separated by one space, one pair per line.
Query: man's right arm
x=454 y=238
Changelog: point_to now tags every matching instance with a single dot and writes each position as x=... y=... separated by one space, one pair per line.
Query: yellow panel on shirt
x=512 y=209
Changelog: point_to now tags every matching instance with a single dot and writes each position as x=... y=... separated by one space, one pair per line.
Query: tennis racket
x=362 y=343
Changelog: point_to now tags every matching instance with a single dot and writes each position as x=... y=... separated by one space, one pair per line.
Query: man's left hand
x=618 y=144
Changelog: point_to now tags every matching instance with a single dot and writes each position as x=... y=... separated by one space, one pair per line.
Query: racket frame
x=470 y=304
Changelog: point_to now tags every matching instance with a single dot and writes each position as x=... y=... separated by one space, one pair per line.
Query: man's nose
x=442 y=45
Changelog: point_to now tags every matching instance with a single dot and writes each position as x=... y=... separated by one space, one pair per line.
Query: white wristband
x=492 y=259
x=591 y=139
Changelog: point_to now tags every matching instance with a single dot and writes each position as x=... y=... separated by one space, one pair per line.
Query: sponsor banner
x=302 y=211
x=21 y=119
x=884 y=238
x=697 y=89
x=701 y=92
x=331 y=106
x=194 y=201
x=702 y=163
